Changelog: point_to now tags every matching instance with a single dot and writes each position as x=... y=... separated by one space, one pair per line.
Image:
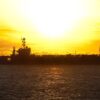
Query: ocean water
x=49 y=82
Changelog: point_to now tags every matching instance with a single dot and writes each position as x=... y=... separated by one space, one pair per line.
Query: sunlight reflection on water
x=49 y=82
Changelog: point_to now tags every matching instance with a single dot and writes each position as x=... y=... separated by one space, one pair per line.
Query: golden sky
x=50 y=26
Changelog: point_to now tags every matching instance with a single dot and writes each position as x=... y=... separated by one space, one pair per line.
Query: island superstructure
x=22 y=54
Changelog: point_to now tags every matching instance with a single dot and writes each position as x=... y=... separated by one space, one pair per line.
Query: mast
x=23 y=42
x=14 y=51
x=99 y=51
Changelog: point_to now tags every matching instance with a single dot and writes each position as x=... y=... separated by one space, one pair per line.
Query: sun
x=54 y=18
x=52 y=35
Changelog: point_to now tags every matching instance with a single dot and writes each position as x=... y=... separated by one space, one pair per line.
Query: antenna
x=99 y=51
x=14 y=51
x=24 y=42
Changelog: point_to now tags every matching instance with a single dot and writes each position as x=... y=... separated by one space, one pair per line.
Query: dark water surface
x=49 y=82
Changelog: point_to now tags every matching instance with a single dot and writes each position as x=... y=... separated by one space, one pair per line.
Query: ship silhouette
x=23 y=56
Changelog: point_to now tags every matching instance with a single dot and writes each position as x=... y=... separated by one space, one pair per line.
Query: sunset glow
x=50 y=26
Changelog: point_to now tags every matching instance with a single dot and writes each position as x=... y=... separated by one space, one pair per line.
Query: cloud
x=5 y=28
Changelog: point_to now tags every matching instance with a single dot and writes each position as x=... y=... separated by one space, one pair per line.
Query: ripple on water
x=49 y=82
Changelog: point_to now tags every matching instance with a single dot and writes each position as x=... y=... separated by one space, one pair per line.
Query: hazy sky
x=50 y=26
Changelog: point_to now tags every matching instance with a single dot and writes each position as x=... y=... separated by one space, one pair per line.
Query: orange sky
x=50 y=26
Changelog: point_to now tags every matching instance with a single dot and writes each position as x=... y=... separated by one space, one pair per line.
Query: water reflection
x=55 y=73
x=55 y=70
x=49 y=82
x=65 y=83
x=52 y=75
